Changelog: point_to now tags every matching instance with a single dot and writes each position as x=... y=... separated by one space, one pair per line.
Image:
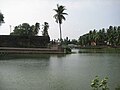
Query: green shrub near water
x=98 y=84
x=68 y=50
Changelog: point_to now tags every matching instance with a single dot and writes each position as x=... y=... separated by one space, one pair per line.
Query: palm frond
x=65 y=13
x=63 y=17
x=59 y=16
x=55 y=10
x=57 y=5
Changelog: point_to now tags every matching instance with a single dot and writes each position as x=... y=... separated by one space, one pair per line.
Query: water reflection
x=30 y=56
x=57 y=72
x=24 y=56
x=27 y=71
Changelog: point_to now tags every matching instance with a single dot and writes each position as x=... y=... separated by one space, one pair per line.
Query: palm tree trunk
x=60 y=32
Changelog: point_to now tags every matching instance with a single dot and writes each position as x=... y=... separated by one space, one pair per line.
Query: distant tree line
x=109 y=36
x=67 y=41
x=26 y=30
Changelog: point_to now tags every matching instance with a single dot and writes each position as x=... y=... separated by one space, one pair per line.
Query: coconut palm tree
x=59 y=16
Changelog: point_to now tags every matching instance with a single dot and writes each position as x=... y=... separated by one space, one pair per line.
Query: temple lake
x=58 y=72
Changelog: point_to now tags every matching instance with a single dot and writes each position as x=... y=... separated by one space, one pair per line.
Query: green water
x=58 y=72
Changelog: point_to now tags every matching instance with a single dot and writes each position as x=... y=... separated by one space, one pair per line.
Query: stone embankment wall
x=24 y=41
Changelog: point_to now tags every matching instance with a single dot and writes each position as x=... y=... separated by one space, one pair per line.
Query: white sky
x=84 y=15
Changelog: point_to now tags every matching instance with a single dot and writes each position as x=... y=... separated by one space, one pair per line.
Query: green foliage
x=26 y=30
x=95 y=83
x=74 y=41
x=36 y=29
x=66 y=41
x=110 y=36
x=68 y=50
x=98 y=84
x=45 y=29
x=59 y=16
x=1 y=18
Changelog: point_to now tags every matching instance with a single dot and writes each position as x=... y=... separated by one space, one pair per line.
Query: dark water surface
x=58 y=72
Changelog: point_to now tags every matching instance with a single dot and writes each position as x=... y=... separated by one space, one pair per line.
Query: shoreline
x=100 y=47
x=99 y=50
x=11 y=50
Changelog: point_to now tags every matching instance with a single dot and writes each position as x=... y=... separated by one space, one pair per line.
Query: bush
x=98 y=84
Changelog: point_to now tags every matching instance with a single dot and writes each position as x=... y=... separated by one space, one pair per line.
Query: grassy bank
x=99 y=50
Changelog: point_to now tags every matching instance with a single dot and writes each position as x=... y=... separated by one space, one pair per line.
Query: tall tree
x=118 y=31
x=37 y=27
x=110 y=34
x=45 y=29
x=102 y=37
x=59 y=16
x=1 y=18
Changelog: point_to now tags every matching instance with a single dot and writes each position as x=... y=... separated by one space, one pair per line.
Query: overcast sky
x=84 y=15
